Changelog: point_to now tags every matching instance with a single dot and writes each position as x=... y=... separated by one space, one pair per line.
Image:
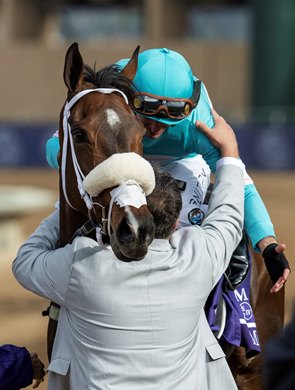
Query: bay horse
x=97 y=148
x=100 y=148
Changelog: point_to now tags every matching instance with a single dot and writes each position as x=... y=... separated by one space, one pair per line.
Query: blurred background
x=243 y=50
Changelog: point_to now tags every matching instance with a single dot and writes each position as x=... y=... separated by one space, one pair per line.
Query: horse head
x=103 y=177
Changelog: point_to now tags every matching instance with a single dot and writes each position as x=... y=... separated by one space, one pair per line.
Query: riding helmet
x=163 y=72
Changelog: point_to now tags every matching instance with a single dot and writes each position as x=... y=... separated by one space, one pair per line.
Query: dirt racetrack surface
x=21 y=322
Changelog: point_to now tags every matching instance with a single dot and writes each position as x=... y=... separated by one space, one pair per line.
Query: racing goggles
x=164 y=107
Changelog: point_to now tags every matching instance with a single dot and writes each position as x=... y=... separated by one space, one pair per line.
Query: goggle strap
x=197 y=92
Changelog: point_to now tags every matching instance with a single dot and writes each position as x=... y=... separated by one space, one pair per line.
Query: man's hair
x=165 y=204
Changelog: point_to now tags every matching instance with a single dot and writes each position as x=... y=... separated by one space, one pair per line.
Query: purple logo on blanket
x=246 y=310
x=242 y=298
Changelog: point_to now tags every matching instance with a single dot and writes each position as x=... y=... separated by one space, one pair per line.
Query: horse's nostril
x=125 y=231
x=135 y=233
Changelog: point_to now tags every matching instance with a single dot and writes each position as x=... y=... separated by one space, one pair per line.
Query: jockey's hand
x=38 y=370
x=277 y=265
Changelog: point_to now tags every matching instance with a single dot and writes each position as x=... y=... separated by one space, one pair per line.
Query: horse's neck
x=70 y=221
x=261 y=285
x=69 y=218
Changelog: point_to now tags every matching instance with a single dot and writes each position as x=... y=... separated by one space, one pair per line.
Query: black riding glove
x=275 y=262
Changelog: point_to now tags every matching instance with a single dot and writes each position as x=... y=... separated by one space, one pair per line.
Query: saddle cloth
x=240 y=327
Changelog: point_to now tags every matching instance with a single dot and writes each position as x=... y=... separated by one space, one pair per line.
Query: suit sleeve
x=16 y=369
x=224 y=223
x=40 y=267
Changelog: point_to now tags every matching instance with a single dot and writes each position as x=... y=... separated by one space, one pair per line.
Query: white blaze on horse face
x=112 y=117
x=132 y=219
x=127 y=194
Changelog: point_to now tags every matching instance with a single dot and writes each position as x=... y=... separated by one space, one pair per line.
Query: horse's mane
x=109 y=77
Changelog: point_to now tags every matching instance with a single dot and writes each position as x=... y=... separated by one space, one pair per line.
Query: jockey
x=170 y=103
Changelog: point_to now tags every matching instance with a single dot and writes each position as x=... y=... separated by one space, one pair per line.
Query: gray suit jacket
x=137 y=325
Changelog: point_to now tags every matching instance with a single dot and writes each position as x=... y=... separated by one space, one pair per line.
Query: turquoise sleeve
x=52 y=150
x=209 y=152
x=257 y=221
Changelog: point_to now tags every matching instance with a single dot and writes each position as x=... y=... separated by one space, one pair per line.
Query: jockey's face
x=153 y=128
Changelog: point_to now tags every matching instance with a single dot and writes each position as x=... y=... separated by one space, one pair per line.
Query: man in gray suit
x=141 y=325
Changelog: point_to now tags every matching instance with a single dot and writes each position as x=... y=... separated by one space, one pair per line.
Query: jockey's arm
x=52 y=150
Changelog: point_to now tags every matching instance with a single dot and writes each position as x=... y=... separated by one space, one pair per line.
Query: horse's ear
x=131 y=67
x=73 y=69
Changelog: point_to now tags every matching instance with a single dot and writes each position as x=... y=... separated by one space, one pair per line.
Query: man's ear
x=175 y=226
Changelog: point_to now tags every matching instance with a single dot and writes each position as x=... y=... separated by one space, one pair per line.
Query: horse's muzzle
x=130 y=243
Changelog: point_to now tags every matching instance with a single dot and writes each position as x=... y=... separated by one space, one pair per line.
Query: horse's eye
x=79 y=136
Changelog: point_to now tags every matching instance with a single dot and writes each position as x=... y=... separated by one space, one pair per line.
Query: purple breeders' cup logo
x=246 y=310
x=196 y=216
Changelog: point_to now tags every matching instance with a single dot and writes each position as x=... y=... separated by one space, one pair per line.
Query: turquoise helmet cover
x=163 y=72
